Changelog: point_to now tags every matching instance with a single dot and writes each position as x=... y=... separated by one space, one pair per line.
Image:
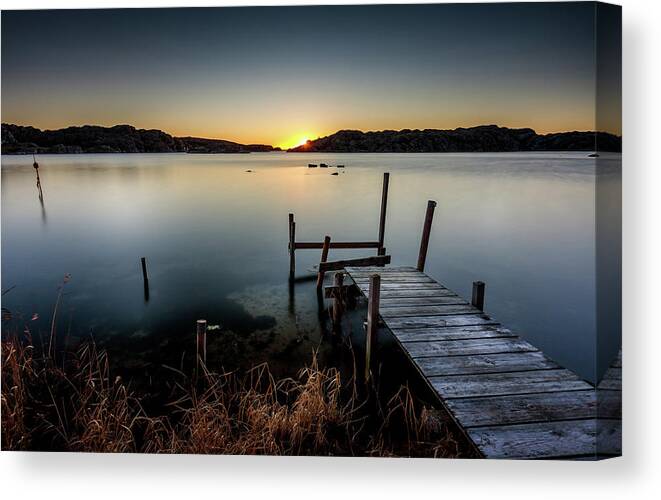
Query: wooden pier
x=508 y=397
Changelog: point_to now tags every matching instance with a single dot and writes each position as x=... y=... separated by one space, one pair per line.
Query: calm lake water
x=215 y=239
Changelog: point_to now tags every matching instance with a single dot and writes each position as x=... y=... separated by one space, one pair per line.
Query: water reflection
x=523 y=223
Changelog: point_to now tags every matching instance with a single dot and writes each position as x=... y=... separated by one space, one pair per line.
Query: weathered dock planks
x=509 y=398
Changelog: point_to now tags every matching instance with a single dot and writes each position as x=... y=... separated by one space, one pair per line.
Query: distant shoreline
x=320 y=153
x=485 y=138
x=88 y=139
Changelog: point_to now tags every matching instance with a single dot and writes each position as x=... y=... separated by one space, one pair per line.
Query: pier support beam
x=292 y=247
x=382 y=218
x=478 y=295
x=324 y=258
x=338 y=301
x=372 y=321
x=145 y=278
x=426 y=231
x=201 y=343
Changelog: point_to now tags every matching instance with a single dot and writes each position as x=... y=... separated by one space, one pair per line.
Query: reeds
x=80 y=406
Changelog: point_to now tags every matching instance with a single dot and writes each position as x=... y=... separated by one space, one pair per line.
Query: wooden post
x=36 y=169
x=145 y=278
x=201 y=342
x=324 y=258
x=338 y=300
x=143 y=261
x=382 y=219
x=478 y=295
x=426 y=231
x=292 y=247
x=381 y=252
x=372 y=321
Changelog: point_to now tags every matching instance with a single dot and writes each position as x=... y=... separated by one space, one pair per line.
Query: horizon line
x=318 y=137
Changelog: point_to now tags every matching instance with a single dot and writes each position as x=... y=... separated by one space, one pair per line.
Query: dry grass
x=78 y=406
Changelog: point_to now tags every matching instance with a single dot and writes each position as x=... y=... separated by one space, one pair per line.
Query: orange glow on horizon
x=295 y=141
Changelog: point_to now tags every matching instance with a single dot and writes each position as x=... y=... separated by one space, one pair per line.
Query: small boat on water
x=323 y=165
x=312 y=165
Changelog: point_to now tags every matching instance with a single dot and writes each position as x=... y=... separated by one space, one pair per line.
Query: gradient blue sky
x=278 y=75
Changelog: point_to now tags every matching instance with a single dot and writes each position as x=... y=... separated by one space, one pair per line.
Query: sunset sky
x=281 y=75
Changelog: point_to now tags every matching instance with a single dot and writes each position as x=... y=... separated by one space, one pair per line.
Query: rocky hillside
x=487 y=138
x=17 y=139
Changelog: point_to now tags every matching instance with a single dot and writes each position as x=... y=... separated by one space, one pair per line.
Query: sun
x=295 y=141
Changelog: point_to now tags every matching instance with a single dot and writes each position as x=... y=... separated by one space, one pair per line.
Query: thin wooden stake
x=382 y=219
x=292 y=247
x=338 y=301
x=324 y=258
x=36 y=169
x=426 y=231
x=372 y=321
x=143 y=261
x=201 y=342
x=145 y=278
x=478 y=295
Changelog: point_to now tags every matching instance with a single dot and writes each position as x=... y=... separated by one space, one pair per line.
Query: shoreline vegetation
x=18 y=139
x=72 y=401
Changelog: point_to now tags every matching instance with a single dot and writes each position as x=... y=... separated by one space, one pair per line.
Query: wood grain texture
x=436 y=321
x=485 y=363
x=427 y=310
x=398 y=278
x=402 y=286
x=452 y=333
x=416 y=293
x=467 y=347
x=495 y=384
x=511 y=400
x=380 y=270
x=549 y=439
x=433 y=300
x=519 y=409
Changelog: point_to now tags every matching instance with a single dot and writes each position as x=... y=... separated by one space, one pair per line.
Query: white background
x=636 y=475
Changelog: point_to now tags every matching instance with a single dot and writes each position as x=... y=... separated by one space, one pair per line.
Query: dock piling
x=143 y=261
x=36 y=169
x=324 y=258
x=338 y=301
x=145 y=278
x=426 y=232
x=372 y=321
x=292 y=247
x=382 y=218
x=314 y=245
x=201 y=342
x=478 y=295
